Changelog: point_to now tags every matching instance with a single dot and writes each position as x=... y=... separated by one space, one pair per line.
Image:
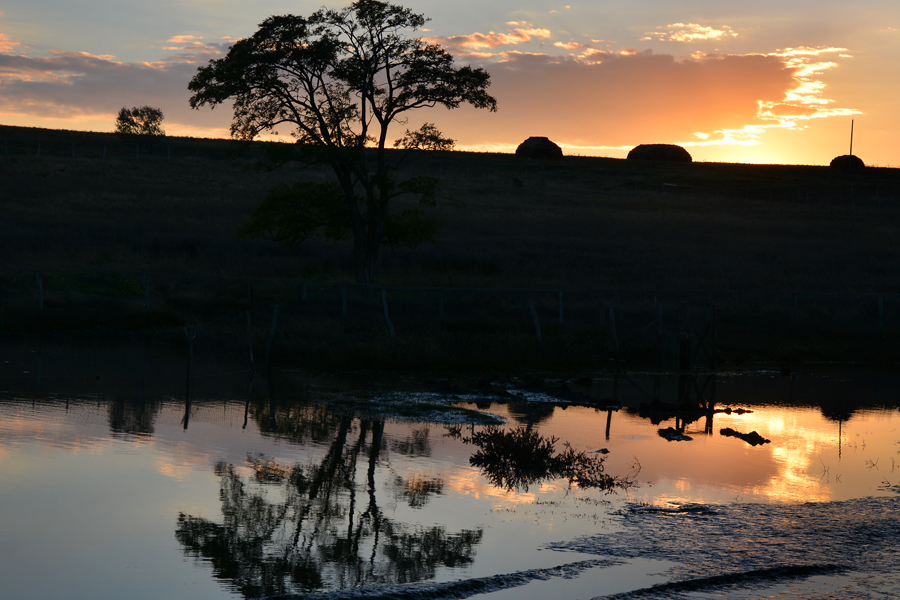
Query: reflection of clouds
x=799 y=439
x=466 y=481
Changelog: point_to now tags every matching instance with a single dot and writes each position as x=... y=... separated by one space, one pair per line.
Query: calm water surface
x=117 y=488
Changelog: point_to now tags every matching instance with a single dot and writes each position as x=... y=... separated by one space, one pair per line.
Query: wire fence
x=163 y=325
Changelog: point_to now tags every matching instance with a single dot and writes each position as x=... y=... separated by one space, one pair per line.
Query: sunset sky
x=764 y=81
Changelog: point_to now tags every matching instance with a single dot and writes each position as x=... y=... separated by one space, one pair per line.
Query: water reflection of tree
x=306 y=527
x=132 y=416
x=519 y=458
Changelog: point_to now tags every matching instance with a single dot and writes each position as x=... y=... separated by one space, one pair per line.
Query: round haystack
x=539 y=147
x=666 y=152
x=847 y=162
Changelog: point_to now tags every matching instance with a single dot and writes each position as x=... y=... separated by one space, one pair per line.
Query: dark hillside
x=91 y=201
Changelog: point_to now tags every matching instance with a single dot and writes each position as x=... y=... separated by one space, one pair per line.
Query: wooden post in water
x=190 y=333
x=269 y=386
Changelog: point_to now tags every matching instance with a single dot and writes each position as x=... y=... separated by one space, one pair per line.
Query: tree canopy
x=340 y=78
x=140 y=120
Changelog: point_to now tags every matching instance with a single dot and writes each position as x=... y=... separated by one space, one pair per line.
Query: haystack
x=666 y=152
x=847 y=162
x=539 y=147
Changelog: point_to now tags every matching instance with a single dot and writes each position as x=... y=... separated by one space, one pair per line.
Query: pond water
x=113 y=487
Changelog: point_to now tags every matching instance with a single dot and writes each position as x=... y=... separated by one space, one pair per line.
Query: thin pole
x=851 y=139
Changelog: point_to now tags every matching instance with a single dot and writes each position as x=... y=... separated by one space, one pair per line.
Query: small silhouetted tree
x=340 y=78
x=140 y=120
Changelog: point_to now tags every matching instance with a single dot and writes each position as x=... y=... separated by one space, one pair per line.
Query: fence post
x=602 y=318
x=146 y=285
x=537 y=324
x=250 y=345
x=270 y=342
x=612 y=326
x=659 y=331
x=560 y=308
x=387 y=317
x=796 y=313
x=685 y=339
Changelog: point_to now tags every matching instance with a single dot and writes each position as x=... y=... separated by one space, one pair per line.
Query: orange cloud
x=6 y=44
x=688 y=32
x=78 y=87
x=620 y=99
x=806 y=99
x=472 y=44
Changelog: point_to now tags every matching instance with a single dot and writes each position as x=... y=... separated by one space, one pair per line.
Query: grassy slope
x=578 y=223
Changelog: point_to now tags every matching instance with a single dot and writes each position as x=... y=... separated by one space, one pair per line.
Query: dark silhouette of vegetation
x=140 y=120
x=341 y=78
x=322 y=526
x=520 y=458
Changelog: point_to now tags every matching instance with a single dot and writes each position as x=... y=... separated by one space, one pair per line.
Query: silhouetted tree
x=340 y=78
x=140 y=120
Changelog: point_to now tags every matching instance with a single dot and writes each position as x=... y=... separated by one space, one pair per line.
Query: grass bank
x=83 y=205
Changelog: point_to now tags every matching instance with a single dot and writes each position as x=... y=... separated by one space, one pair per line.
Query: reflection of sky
x=800 y=464
x=77 y=501
x=751 y=82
